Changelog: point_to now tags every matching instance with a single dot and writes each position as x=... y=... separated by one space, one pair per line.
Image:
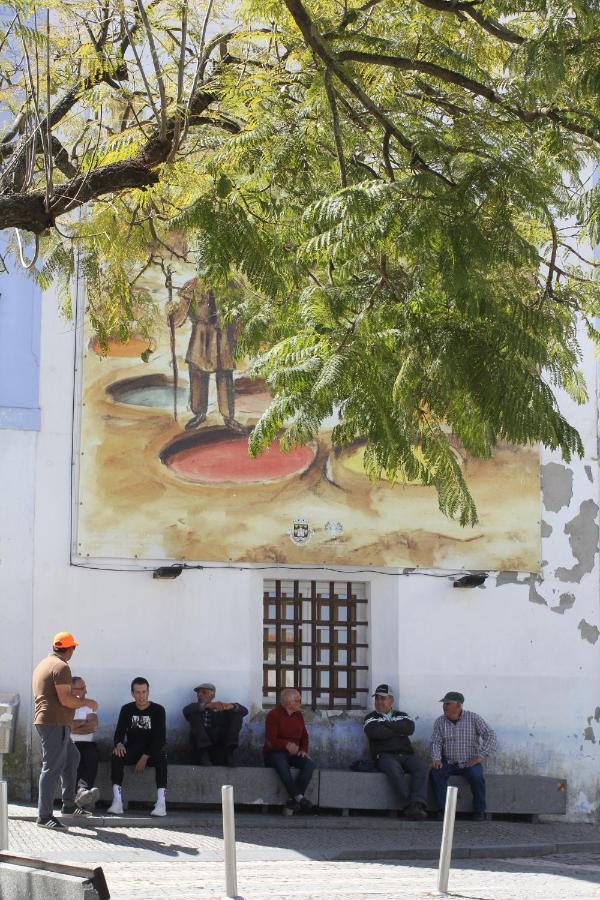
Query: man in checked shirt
x=460 y=742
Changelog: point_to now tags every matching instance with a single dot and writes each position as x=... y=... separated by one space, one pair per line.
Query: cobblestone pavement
x=290 y=861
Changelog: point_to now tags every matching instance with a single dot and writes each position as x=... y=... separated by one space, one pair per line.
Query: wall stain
x=588 y=735
x=565 y=602
x=557 y=486
x=588 y=472
x=589 y=632
x=546 y=529
x=583 y=537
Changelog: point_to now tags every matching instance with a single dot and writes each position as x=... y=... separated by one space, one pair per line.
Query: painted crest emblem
x=300 y=531
x=333 y=529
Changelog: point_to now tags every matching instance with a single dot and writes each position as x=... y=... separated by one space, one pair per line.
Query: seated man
x=461 y=740
x=387 y=730
x=83 y=735
x=286 y=748
x=215 y=727
x=140 y=738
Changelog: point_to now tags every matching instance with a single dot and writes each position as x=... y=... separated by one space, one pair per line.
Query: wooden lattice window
x=315 y=638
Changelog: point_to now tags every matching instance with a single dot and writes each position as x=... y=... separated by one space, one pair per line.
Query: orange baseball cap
x=63 y=641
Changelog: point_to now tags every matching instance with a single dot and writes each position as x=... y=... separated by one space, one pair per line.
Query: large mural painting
x=165 y=472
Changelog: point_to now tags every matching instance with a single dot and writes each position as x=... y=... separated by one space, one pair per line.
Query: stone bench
x=529 y=795
x=253 y=786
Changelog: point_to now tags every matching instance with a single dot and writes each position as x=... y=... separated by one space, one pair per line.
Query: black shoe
x=70 y=809
x=478 y=817
x=195 y=422
x=306 y=805
x=293 y=806
x=51 y=822
x=415 y=812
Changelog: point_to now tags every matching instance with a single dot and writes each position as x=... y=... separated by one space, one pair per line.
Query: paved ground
x=305 y=858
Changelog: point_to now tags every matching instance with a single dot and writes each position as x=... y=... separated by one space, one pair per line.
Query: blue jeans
x=283 y=763
x=473 y=774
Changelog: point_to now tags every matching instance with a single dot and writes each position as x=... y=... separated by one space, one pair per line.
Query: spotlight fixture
x=167 y=572
x=470 y=581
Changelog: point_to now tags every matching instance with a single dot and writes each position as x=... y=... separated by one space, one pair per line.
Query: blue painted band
x=20 y=418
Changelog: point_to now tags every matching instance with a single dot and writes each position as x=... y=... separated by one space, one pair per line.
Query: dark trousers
x=199 y=385
x=88 y=762
x=283 y=763
x=473 y=774
x=118 y=763
x=215 y=740
x=395 y=766
x=59 y=762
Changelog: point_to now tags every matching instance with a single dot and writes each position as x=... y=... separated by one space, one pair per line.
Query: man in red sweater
x=286 y=747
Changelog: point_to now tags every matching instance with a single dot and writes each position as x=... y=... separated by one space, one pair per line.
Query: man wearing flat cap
x=55 y=705
x=214 y=727
x=460 y=743
x=387 y=730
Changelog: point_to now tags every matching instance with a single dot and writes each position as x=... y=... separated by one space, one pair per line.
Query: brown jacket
x=211 y=347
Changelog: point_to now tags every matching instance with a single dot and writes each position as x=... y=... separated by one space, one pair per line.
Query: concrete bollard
x=3 y=815
x=229 y=841
x=447 y=837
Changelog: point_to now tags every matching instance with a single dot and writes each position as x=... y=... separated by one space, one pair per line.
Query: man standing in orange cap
x=55 y=705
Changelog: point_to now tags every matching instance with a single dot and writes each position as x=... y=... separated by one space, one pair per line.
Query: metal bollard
x=229 y=841
x=3 y=815
x=447 y=836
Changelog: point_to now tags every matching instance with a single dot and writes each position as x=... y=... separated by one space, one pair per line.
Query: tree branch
x=489 y=25
x=449 y=76
x=316 y=44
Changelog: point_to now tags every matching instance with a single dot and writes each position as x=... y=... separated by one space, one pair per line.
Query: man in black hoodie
x=387 y=730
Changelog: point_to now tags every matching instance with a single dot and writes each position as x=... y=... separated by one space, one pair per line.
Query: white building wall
x=523 y=649
x=17 y=463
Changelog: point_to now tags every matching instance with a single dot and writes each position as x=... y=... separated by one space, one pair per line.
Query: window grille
x=315 y=638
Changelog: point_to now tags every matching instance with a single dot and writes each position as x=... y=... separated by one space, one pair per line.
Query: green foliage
x=399 y=262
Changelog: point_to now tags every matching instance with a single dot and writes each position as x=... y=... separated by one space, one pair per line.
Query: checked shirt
x=457 y=742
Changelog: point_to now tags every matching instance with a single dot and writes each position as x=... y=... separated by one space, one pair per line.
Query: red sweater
x=282 y=729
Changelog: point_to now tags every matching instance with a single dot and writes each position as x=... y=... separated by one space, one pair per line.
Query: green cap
x=452 y=697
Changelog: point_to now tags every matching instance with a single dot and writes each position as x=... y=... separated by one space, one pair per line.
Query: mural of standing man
x=210 y=350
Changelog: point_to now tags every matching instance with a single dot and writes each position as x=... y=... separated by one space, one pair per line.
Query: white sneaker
x=87 y=796
x=116 y=807
x=160 y=809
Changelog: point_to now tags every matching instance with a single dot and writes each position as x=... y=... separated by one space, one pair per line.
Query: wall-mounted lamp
x=167 y=572
x=470 y=581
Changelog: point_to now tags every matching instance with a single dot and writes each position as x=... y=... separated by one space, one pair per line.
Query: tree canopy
x=401 y=187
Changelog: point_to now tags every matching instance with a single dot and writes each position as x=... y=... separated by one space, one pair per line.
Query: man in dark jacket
x=214 y=727
x=387 y=730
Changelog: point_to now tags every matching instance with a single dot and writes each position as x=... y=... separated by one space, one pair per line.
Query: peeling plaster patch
x=588 y=472
x=583 y=538
x=565 y=602
x=589 y=632
x=532 y=580
x=534 y=597
x=508 y=578
x=557 y=486
x=588 y=735
x=597 y=714
x=546 y=530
